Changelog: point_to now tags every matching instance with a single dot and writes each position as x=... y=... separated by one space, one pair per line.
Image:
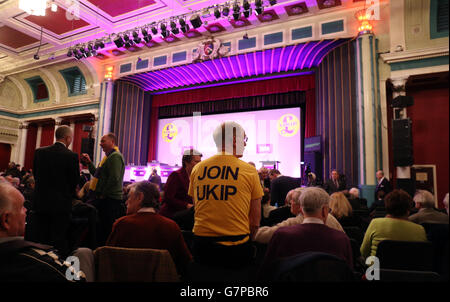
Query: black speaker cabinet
x=314 y=159
x=402 y=101
x=87 y=146
x=402 y=142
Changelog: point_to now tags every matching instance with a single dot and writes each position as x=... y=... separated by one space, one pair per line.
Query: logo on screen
x=169 y=132
x=288 y=125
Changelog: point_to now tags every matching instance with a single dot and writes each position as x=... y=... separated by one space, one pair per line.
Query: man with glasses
x=227 y=198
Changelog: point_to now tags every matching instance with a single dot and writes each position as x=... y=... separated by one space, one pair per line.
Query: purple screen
x=273 y=135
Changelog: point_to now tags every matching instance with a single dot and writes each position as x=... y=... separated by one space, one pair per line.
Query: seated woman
x=342 y=210
x=395 y=226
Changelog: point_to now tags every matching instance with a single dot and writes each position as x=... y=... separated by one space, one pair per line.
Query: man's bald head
x=64 y=134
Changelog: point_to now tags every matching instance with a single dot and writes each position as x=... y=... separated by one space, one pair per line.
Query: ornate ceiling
x=77 y=22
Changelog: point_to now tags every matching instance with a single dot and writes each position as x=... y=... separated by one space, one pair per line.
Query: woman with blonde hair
x=341 y=209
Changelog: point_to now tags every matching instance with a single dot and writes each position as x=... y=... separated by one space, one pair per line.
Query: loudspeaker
x=402 y=142
x=402 y=101
x=87 y=146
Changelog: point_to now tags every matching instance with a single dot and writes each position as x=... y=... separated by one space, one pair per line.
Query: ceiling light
x=259 y=7
x=247 y=13
x=118 y=41
x=174 y=28
x=196 y=21
x=246 y=5
x=217 y=12
x=69 y=53
x=136 y=38
x=272 y=2
x=236 y=11
x=33 y=7
x=99 y=44
x=154 y=30
x=226 y=11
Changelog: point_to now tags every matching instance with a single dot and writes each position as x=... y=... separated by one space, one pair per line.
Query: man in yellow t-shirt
x=227 y=198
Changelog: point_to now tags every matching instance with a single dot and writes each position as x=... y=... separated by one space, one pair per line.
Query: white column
x=38 y=136
x=104 y=117
x=22 y=143
x=72 y=126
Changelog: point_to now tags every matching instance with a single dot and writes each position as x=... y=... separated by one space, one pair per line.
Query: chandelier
x=37 y=7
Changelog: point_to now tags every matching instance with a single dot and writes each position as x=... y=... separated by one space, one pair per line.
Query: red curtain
x=263 y=87
x=30 y=146
x=47 y=135
x=5 y=155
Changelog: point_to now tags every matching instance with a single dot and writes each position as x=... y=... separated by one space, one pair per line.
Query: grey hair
x=150 y=192
x=223 y=137
x=294 y=194
x=354 y=192
x=313 y=199
x=424 y=198
x=62 y=132
x=5 y=201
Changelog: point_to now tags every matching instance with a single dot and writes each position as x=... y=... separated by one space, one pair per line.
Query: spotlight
x=245 y=37
x=247 y=13
x=196 y=21
x=36 y=57
x=136 y=38
x=118 y=41
x=236 y=11
x=90 y=47
x=217 y=12
x=128 y=42
x=69 y=53
x=226 y=11
x=272 y=2
x=144 y=32
x=174 y=28
x=99 y=44
x=154 y=30
x=258 y=7
x=246 y=5
x=164 y=32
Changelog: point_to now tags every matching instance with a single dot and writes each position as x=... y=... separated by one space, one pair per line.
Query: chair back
x=405 y=255
x=437 y=234
x=391 y=275
x=116 y=264
x=354 y=232
x=313 y=267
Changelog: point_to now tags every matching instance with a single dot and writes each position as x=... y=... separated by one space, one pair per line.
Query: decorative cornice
x=50 y=108
x=416 y=54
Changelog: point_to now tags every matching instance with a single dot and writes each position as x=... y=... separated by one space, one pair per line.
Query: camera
x=36 y=57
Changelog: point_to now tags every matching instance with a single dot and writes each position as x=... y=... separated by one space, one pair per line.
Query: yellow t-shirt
x=222 y=187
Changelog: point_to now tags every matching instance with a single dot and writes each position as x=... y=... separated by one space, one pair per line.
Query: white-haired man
x=424 y=201
x=310 y=236
x=23 y=261
x=227 y=198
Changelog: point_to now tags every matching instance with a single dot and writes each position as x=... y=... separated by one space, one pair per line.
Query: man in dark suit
x=383 y=184
x=56 y=171
x=335 y=184
x=280 y=186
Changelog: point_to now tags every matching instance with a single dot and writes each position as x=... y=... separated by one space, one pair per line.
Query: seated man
x=310 y=236
x=142 y=227
x=22 y=260
x=265 y=233
x=356 y=201
x=424 y=202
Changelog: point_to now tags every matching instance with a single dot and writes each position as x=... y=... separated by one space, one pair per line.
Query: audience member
x=265 y=205
x=227 y=197
x=424 y=202
x=56 y=173
x=263 y=173
x=341 y=209
x=155 y=179
x=312 y=180
x=142 y=227
x=176 y=196
x=28 y=192
x=12 y=170
x=395 y=226
x=335 y=184
x=106 y=185
x=383 y=184
x=282 y=213
x=310 y=236
x=280 y=185
x=22 y=260
x=265 y=233
x=378 y=203
x=356 y=201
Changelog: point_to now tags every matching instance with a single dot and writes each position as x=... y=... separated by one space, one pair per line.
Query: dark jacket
x=280 y=186
x=56 y=172
x=176 y=195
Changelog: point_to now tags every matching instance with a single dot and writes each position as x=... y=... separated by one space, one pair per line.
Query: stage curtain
x=47 y=135
x=79 y=134
x=276 y=92
x=30 y=146
x=5 y=155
